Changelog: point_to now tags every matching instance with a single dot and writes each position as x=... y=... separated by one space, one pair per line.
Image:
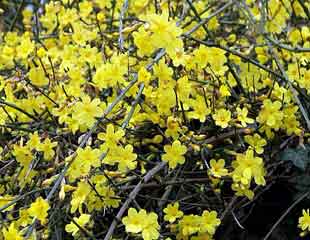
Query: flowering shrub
x=148 y=119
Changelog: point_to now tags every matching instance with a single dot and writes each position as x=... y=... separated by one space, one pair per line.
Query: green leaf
x=301 y=183
x=298 y=156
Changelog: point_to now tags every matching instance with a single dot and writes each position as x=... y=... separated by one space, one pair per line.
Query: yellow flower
x=144 y=76
x=108 y=198
x=34 y=141
x=141 y=40
x=247 y=166
x=127 y=159
x=38 y=209
x=270 y=114
x=165 y=100
x=222 y=117
x=189 y=224
x=111 y=137
x=304 y=222
x=213 y=23
x=209 y=222
x=204 y=56
x=294 y=36
x=174 y=154
x=290 y=121
x=85 y=159
x=109 y=74
x=24 y=218
x=5 y=199
x=256 y=142
x=243 y=116
x=150 y=227
x=37 y=76
x=217 y=168
x=183 y=88
x=80 y=221
x=201 y=56
x=201 y=110
x=242 y=190
x=26 y=46
x=86 y=112
x=79 y=196
x=164 y=74
x=224 y=91
x=47 y=148
x=134 y=221
x=141 y=221
x=12 y=233
x=165 y=32
x=23 y=155
x=173 y=127
x=172 y=212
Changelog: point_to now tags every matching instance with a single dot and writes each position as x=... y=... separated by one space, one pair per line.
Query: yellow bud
x=183 y=138
x=157 y=139
x=262 y=97
x=200 y=137
x=195 y=147
x=113 y=174
x=210 y=146
x=184 y=128
x=146 y=141
x=41 y=52
x=62 y=193
x=69 y=188
x=217 y=190
x=132 y=28
x=190 y=133
x=153 y=149
x=231 y=38
x=137 y=144
x=100 y=16
x=223 y=42
x=150 y=157
x=248 y=131
x=48 y=181
x=230 y=152
x=143 y=170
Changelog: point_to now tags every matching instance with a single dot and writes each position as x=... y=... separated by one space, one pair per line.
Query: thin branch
x=120 y=29
x=82 y=144
x=236 y=53
x=91 y=131
x=11 y=105
x=133 y=107
x=197 y=15
x=292 y=89
x=131 y=197
x=296 y=49
x=302 y=197
x=19 y=10
x=17 y=199
x=205 y=20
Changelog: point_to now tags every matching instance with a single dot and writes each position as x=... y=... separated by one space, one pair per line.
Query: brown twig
x=19 y=10
x=131 y=197
x=205 y=20
x=302 y=197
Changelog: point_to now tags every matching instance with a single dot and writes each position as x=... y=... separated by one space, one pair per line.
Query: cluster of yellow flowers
x=143 y=222
x=37 y=210
x=95 y=95
x=186 y=225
